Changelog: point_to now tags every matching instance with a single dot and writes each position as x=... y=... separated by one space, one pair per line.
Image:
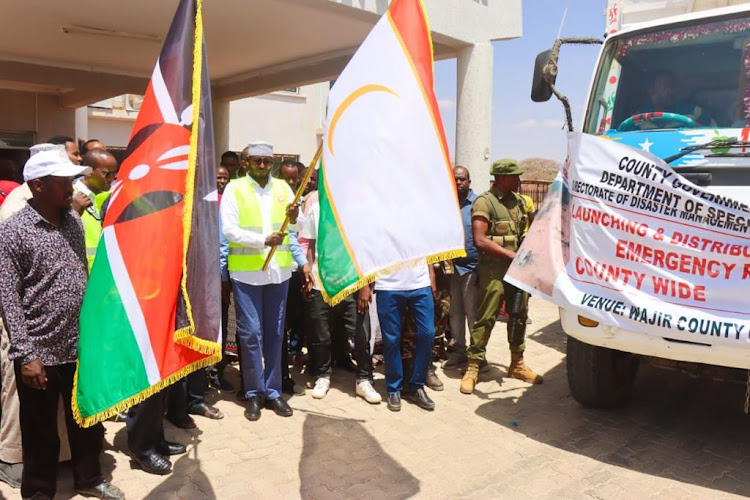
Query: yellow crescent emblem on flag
x=365 y=89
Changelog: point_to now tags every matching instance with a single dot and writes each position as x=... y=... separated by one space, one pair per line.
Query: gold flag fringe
x=139 y=397
x=184 y=336
x=187 y=217
x=369 y=279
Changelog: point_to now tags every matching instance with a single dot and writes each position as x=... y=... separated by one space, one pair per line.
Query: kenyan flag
x=151 y=313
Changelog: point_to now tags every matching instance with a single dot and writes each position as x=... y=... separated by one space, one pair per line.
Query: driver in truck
x=662 y=92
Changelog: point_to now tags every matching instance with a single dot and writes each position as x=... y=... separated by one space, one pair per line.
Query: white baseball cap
x=45 y=146
x=52 y=162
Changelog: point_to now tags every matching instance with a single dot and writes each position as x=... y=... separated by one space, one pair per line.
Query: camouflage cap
x=506 y=166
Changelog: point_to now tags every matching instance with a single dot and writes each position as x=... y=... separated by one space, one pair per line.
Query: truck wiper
x=730 y=142
x=728 y=155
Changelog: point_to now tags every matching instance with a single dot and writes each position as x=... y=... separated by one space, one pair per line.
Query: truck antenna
x=562 y=21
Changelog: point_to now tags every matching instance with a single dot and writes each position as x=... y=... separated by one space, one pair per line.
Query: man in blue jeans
x=410 y=288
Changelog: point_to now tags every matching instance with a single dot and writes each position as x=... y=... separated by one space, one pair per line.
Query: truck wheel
x=599 y=377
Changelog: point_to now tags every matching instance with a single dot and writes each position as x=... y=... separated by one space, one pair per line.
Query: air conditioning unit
x=133 y=101
x=118 y=102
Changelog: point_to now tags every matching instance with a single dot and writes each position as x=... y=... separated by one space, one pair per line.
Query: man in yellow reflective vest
x=96 y=188
x=253 y=208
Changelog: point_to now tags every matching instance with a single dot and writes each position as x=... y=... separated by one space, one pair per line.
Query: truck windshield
x=691 y=76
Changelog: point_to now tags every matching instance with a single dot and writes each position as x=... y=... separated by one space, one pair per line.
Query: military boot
x=520 y=371
x=470 y=377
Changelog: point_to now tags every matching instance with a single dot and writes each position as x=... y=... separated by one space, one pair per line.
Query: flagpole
x=300 y=190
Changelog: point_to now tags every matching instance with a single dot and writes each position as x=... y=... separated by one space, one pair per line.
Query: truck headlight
x=583 y=321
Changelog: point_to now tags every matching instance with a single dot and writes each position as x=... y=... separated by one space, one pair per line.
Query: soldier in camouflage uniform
x=498 y=222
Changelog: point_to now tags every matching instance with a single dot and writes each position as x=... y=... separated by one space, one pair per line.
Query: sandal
x=206 y=411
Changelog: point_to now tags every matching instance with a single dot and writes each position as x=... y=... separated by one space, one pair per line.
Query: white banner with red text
x=625 y=240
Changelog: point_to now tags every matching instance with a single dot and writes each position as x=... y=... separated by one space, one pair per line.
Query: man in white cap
x=253 y=209
x=18 y=198
x=43 y=271
x=11 y=465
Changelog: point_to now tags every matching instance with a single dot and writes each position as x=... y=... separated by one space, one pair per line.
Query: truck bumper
x=616 y=338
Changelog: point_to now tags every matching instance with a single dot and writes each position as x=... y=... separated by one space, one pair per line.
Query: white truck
x=673 y=78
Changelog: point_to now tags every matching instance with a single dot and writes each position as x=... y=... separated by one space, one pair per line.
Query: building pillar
x=220 y=110
x=474 y=112
x=82 y=124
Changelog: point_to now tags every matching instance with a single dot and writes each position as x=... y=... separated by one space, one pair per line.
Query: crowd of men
x=50 y=222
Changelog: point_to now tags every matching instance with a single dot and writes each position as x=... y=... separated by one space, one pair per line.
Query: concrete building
x=56 y=57
x=291 y=119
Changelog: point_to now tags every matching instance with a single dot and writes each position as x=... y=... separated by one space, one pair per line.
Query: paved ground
x=680 y=438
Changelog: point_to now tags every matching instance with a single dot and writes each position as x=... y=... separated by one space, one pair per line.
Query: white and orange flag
x=387 y=195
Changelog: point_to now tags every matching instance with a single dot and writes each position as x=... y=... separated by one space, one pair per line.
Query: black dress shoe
x=433 y=382
x=153 y=463
x=105 y=490
x=394 y=401
x=252 y=409
x=168 y=448
x=421 y=399
x=289 y=386
x=280 y=407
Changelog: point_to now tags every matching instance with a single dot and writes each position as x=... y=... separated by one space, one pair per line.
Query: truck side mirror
x=541 y=91
x=545 y=75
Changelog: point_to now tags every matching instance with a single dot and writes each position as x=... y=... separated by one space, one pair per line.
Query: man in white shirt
x=352 y=314
x=252 y=210
x=409 y=288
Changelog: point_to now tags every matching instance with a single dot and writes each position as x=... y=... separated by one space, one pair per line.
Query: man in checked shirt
x=43 y=271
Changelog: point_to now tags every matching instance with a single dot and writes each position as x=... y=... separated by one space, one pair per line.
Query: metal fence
x=537 y=190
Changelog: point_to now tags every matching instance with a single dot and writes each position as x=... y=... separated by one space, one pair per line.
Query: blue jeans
x=260 y=334
x=391 y=308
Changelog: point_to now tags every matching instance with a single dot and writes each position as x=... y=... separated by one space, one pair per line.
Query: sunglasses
x=264 y=161
x=108 y=175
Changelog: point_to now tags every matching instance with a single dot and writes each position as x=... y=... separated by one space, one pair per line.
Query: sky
x=522 y=128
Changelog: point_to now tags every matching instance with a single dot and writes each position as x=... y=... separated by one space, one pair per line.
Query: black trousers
x=187 y=394
x=294 y=322
x=285 y=375
x=344 y=316
x=41 y=444
x=145 y=424
x=295 y=314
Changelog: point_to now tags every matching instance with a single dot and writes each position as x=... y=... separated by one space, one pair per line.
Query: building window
x=278 y=158
x=16 y=140
x=292 y=90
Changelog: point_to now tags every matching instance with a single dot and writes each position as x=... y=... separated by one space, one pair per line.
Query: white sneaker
x=366 y=391
x=321 y=387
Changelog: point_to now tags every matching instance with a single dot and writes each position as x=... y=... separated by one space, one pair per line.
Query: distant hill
x=539 y=169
